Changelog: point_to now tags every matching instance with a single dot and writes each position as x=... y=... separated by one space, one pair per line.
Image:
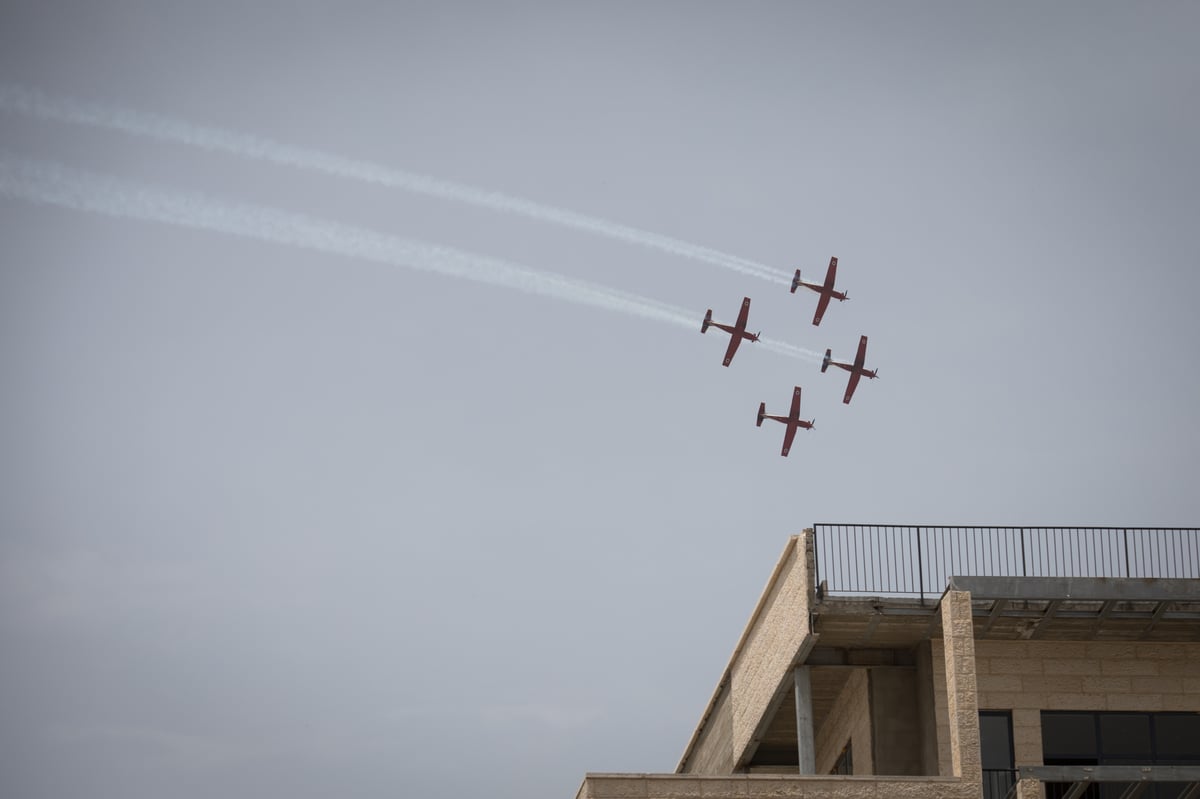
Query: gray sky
x=283 y=516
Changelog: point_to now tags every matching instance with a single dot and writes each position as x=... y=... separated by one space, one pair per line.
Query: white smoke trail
x=31 y=103
x=54 y=184
x=790 y=350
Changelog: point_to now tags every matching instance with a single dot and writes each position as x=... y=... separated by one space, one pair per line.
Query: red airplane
x=825 y=290
x=792 y=420
x=737 y=332
x=855 y=369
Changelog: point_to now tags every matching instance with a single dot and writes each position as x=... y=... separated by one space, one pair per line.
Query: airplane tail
x=707 y=321
x=845 y=296
x=828 y=358
x=796 y=281
x=762 y=411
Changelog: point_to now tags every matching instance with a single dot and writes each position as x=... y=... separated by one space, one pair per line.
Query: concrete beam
x=1080 y=588
x=1051 y=610
x=859 y=657
x=1110 y=773
x=997 y=607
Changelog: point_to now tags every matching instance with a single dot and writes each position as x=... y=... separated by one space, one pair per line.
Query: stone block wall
x=772 y=644
x=712 y=752
x=1028 y=677
x=848 y=721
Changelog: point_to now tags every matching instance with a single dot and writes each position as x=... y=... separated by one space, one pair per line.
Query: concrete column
x=804 y=721
x=962 y=696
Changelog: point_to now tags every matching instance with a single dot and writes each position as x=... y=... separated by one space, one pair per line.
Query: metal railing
x=999 y=783
x=919 y=560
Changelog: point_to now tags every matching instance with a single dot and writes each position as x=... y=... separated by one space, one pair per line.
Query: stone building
x=956 y=662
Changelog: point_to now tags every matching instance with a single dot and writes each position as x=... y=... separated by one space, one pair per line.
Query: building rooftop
x=867 y=595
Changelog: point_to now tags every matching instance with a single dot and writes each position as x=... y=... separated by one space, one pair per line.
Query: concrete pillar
x=962 y=696
x=805 y=743
x=1030 y=789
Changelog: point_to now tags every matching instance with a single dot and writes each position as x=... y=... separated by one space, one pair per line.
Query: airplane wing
x=827 y=291
x=853 y=384
x=861 y=357
x=734 y=341
x=788 y=435
x=795 y=412
x=743 y=315
x=822 y=304
x=831 y=275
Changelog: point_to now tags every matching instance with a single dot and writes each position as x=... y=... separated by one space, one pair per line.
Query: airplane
x=792 y=420
x=855 y=369
x=737 y=332
x=825 y=290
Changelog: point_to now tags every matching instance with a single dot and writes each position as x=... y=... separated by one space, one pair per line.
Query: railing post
x=920 y=569
x=816 y=560
x=1024 y=565
x=1125 y=535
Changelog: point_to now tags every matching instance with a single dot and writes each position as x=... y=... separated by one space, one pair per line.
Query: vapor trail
x=32 y=103
x=54 y=184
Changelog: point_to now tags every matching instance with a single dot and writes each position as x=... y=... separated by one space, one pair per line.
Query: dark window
x=1112 y=739
x=996 y=748
x=1125 y=735
x=995 y=738
x=1069 y=736
x=1177 y=736
x=845 y=761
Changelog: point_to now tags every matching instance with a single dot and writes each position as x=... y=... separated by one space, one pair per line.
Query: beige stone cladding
x=1030 y=789
x=1028 y=677
x=962 y=706
x=940 y=711
x=755 y=786
x=848 y=722
x=712 y=752
x=771 y=645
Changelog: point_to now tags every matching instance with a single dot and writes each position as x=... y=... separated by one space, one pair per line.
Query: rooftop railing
x=919 y=560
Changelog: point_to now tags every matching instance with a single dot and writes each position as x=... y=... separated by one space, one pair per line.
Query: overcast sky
x=315 y=484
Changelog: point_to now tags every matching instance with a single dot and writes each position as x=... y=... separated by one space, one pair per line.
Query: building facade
x=956 y=662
